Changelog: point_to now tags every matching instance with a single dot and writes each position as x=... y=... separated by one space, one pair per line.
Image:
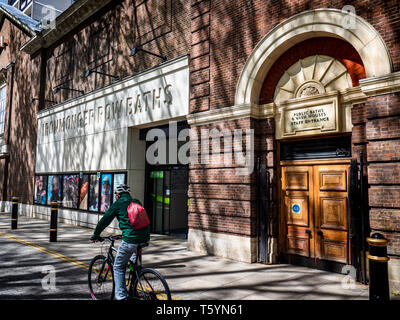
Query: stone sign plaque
x=316 y=117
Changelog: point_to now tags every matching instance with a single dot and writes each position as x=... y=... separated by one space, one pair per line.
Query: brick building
x=308 y=84
x=17 y=145
x=288 y=67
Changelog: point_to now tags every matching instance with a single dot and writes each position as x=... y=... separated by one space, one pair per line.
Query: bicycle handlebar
x=119 y=237
x=110 y=238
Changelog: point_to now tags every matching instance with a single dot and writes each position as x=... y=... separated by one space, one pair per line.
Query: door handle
x=308 y=231
x=320 y=233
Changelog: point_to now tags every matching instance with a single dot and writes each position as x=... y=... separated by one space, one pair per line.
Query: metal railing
x=358 y=217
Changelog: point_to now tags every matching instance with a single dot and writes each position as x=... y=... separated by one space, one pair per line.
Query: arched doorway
x=314 y=154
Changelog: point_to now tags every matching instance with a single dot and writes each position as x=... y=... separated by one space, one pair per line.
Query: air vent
x=316 y=149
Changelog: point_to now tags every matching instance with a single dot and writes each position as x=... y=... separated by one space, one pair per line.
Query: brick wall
x=382 y=132
x=2 y=174
x=105 y=43
x=5 y=52
x=240 y=25
x=224 y=33
x=21 y=124
x=221 y=200
x=200 y=78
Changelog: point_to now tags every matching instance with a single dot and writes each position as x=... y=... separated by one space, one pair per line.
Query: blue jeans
x=125 y=252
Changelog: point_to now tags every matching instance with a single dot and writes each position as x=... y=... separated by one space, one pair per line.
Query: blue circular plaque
x=296 y=208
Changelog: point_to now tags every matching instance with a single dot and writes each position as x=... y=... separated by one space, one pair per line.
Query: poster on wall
x=119 y=178
x=84 y=192
x=40 y=189
x=94 y=192
x=106 y=180
x=70 y=191
x=54 y=189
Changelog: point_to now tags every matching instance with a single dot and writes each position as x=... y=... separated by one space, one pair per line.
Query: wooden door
x=331 y=212
x=314 y=206
x=297 y=184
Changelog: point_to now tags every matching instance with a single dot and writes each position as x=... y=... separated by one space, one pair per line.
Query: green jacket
x=119 y=210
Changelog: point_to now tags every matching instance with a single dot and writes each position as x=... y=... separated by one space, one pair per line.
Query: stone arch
x=310 y=24
x=328 y=46
x=312 y=75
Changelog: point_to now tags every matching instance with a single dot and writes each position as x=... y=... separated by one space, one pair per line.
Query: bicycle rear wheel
x=100 y=279
x=151 y=285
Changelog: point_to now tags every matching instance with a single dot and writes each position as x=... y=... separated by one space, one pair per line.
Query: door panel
x=298 y=222
x=298 y=242
x=156 y=195
x=179 y=201
x=297 y=210
x=332 y=180
x=332 y=245
x=331 y=212
x=315 y=211
x=296 y=178
x=334 y=251
x=167 y=201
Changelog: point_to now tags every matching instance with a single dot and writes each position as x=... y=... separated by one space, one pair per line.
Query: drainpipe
x=7 y=142
x=42 y=80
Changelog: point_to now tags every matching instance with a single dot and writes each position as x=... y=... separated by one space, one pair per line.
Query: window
x=23 y=4
x=106 y=189
x=40 y=189
x=54 y=189
x=70 y=191
x=119 y=178
x=3 y=98
x=94 y=192
x=83 y=191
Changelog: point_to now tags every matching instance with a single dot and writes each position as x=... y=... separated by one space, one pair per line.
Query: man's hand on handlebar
x=101 y=239
x=96 y=239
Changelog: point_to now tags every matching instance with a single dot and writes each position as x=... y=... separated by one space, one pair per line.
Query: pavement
x=28 y=260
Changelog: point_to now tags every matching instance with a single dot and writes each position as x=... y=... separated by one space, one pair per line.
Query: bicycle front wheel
x=100 y=279
x=151 y=285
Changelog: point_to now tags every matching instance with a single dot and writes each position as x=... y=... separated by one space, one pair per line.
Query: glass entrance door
x=167 y=201
x=157 y=199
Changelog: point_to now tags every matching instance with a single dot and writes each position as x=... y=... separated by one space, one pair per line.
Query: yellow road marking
x=45 y=250
x=52 y=253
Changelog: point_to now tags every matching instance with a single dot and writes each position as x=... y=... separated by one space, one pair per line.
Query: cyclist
x=130 y=236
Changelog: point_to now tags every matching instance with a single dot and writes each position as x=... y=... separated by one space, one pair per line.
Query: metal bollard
x=378 y=268
x=53 y=221
x=14 y=213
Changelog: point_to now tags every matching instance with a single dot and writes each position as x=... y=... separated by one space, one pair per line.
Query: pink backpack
x=137 y=216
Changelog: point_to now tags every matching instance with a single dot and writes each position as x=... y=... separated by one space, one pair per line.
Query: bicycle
x=142 y=283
